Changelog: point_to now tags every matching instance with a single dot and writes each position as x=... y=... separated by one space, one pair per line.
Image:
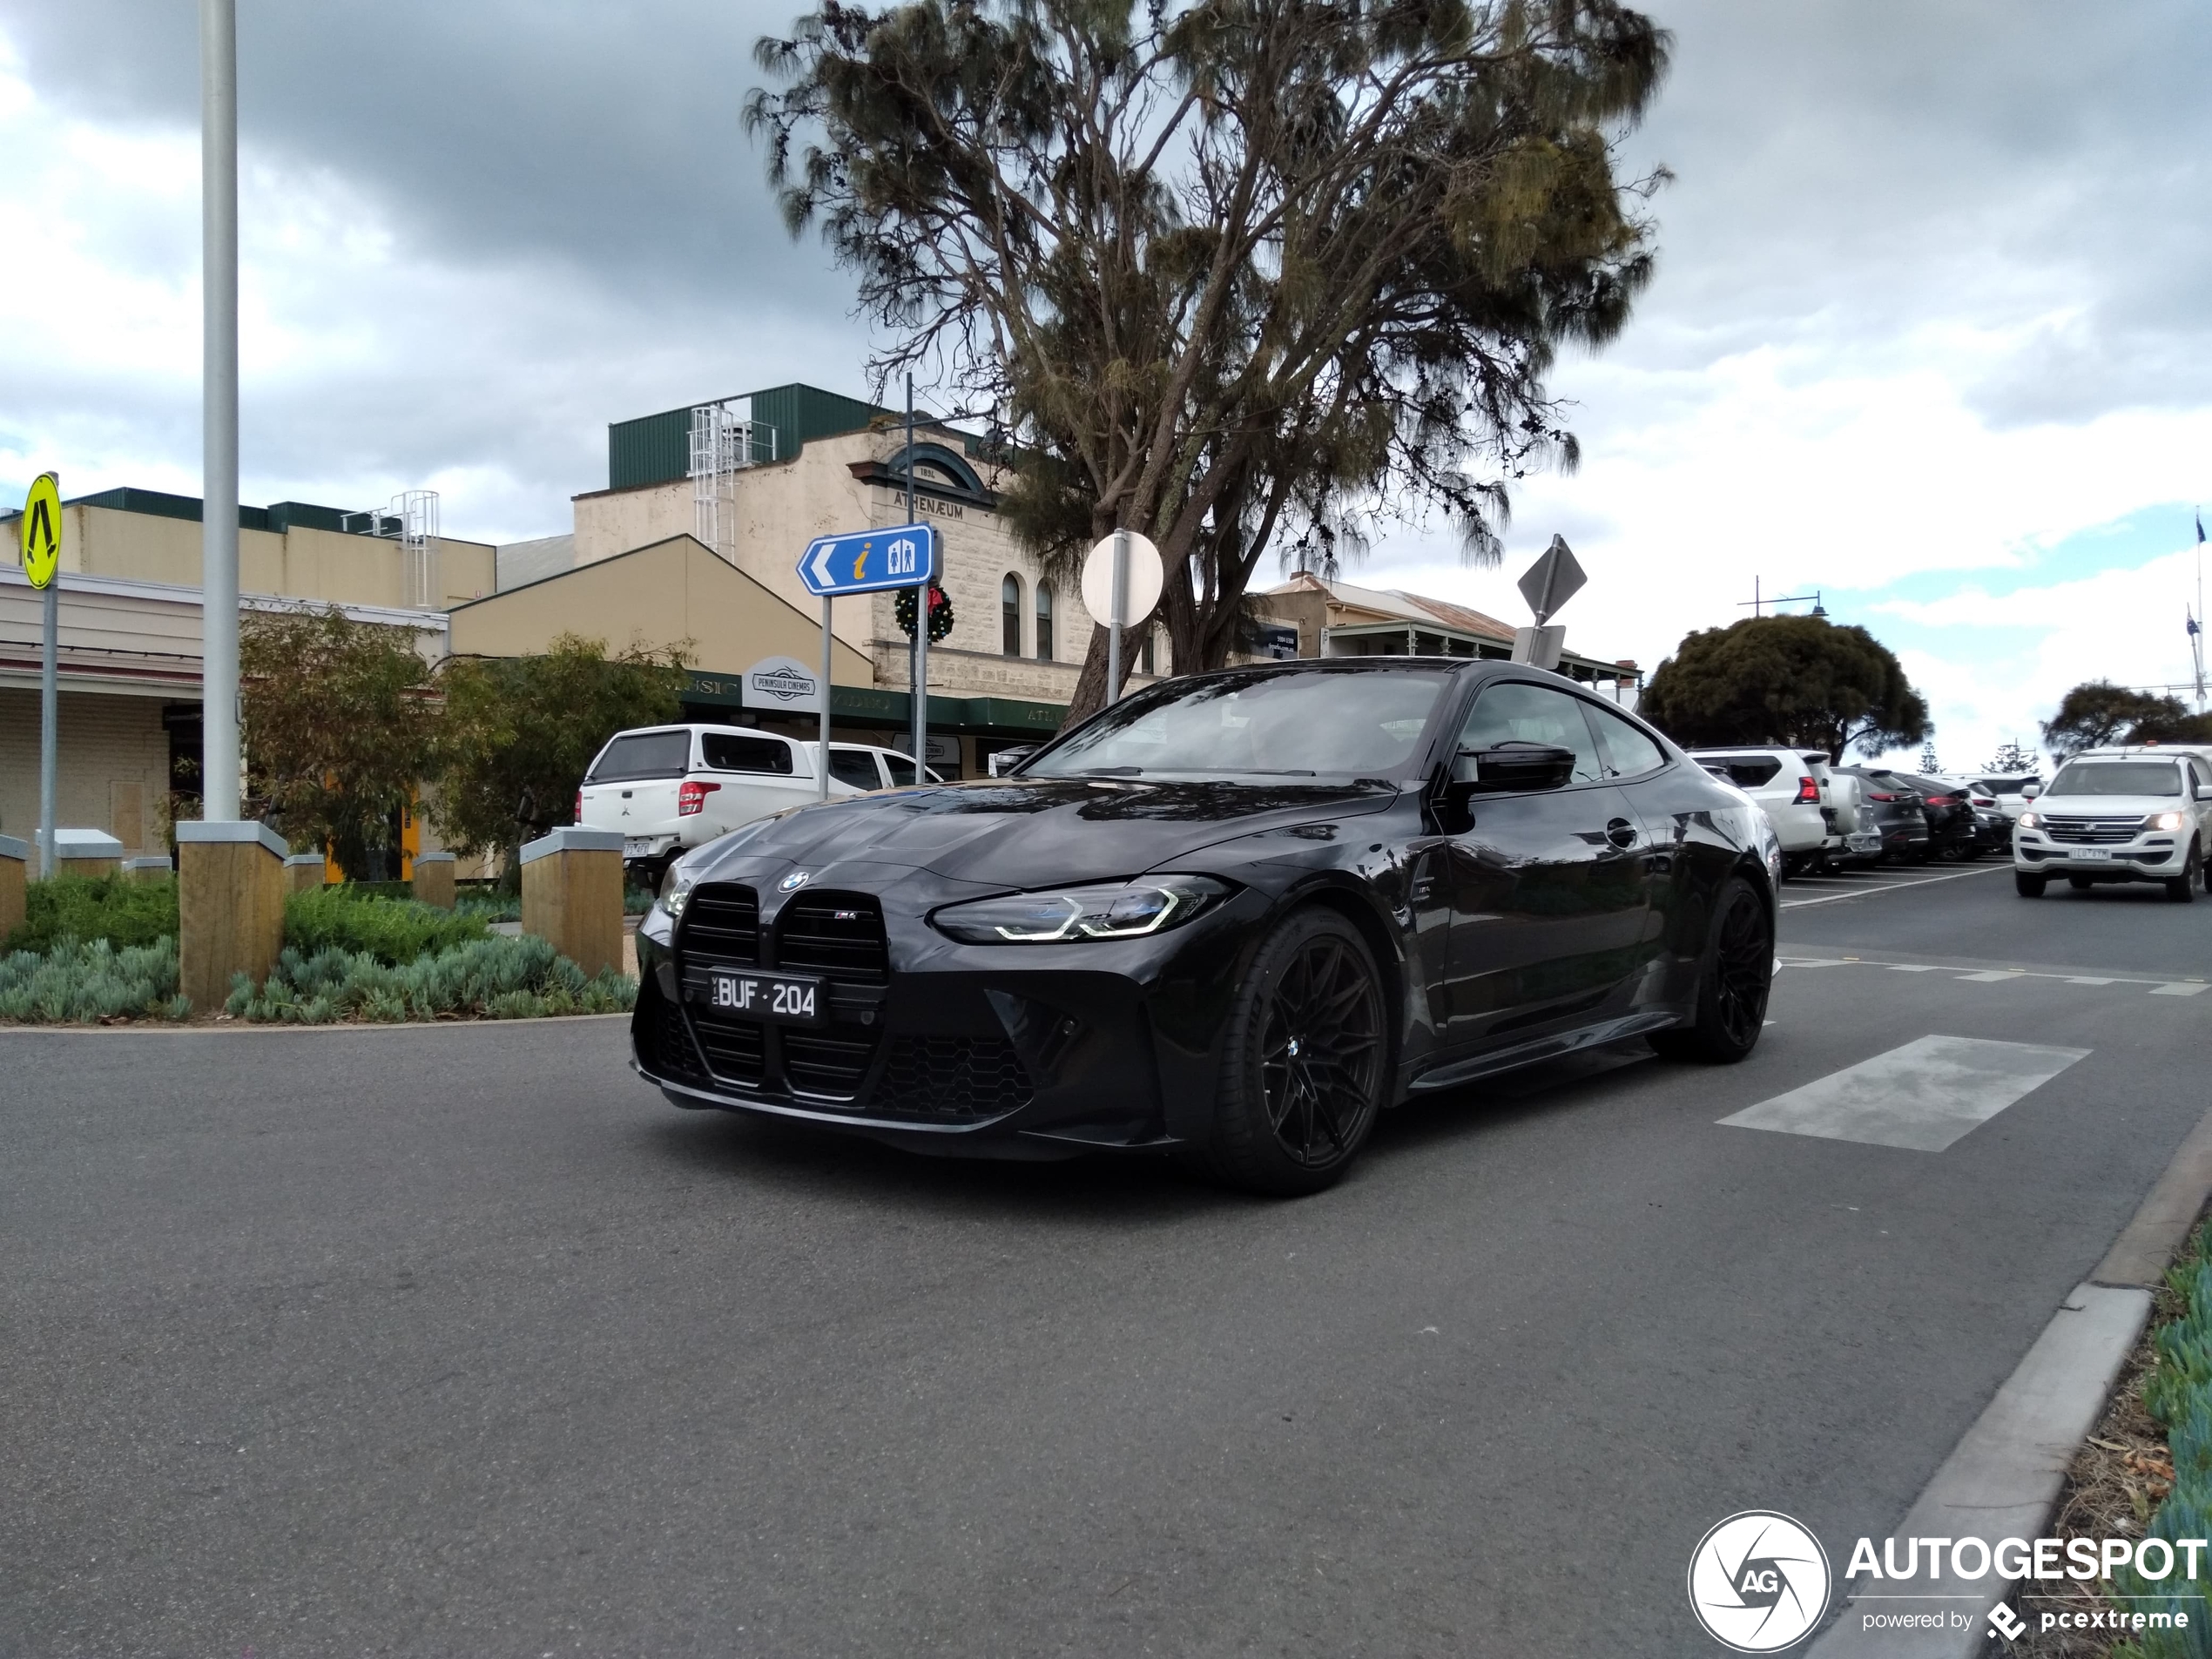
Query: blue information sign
x=870 y=561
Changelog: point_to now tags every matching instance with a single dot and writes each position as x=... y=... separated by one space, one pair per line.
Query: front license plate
x=774 y=997
x=2077 y=853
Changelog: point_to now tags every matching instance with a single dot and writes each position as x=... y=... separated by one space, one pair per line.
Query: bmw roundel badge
x=792 y=882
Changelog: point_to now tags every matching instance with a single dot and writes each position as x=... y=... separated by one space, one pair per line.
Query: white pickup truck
x=669 y=788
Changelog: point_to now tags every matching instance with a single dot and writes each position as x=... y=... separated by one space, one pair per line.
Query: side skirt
x=1528 y=1054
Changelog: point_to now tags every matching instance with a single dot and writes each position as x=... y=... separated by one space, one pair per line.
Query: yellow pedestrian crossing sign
x=42 y=530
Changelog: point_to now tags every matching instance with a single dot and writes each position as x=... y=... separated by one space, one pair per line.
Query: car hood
x=1022 y=832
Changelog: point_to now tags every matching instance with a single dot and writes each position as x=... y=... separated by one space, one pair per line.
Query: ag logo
x=1758 y=1581
x=792 y=882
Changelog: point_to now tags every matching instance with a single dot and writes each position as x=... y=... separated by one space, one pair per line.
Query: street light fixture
x=1758 y=604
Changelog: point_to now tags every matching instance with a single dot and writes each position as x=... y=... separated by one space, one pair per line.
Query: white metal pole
x=49 y=726
x=219 y=408
x=922 y=614
x=1120 y=617
x=826 y=696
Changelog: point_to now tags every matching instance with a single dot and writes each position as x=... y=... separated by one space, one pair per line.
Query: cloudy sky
x=1931 y=333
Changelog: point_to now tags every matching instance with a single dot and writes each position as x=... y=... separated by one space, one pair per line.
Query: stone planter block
x=147 y=870
x=86 y=852
x=230 y=906
x=434 y=878
x=15 y=870
x=302 y=872
x=572 y=895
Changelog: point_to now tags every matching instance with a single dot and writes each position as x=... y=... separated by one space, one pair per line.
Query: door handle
x=1620 y=833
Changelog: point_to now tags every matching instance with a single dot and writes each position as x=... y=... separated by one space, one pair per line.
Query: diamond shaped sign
x=1552 y=581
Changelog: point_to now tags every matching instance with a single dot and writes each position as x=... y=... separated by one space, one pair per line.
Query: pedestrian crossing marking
x=1921 y=1097
x=1992 y=976
x=1909 y=967
x=2189 y=988
x=1996 y=975
x=2083 y=979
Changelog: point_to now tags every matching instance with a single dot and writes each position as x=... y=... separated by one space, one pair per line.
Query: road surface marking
x=1990 y=976
x=1908 y=968
x=1892 y=886
x=2185 y=987
x=1922 y=1097
x=2083 y=979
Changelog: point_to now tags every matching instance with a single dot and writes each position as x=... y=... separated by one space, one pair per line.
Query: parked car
x=2114 y=816
x=1789 y=787
x=1899 y=819
x=1850 y=816
x=1233 y=916
x=1952 y=833
x=2005 y=793
x=669 y=788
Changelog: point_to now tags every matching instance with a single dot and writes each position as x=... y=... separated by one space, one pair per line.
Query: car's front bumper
x=2152 y=858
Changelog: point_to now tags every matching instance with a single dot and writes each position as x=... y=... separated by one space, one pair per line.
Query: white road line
x=1892 y=886
x=1921 y=1097
x=2084 y=979
x=1992 y=975
x=2184 y=987
x=1909 y=968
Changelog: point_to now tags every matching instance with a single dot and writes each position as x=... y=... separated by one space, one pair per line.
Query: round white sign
x=1145 y=579
x=1758 y=1581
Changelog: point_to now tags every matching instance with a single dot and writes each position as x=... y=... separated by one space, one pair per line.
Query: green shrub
x=391 y=930
x=126 y=913
x=493 y=907
x=79 y=983
x=498 y=978
x=2178 y=1392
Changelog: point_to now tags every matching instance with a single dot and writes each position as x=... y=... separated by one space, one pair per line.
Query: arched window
x=1044 y=621
x=1010 y=616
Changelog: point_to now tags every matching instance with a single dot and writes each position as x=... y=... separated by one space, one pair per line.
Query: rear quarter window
x=643 y=754
x=725 y=751
x=1745 y=771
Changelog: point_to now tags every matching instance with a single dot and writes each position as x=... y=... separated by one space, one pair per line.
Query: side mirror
x=1511 y=768
x=2029 y=791
x=2204 y=791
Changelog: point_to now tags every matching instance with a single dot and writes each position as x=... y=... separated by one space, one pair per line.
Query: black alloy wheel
x=1733 y=989
x=1307 y=1059
x=2183 y=888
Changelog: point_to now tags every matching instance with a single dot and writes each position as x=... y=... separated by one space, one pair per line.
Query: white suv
x=669 y=788
x=1791 y=787
x=2119 y=815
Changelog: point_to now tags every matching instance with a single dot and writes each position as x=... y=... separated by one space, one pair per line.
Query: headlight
x=2030 y=820
x=2167 y=821
x=1065 y=915
x=673 y=900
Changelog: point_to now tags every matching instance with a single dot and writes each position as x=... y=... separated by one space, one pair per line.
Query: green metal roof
x=657 y=448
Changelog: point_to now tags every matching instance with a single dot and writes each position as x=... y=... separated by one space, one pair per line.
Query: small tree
x=336 y=728
x=2097 y=712
x=519 y=732
x=2012 y=759
x=1798 y=681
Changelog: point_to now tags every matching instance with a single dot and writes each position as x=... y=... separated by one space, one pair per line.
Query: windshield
x=1257 y=724
x=2117 y=777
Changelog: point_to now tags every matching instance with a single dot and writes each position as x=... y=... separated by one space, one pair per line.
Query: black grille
x=722 y=919
x=951 y=1079
x=734 y=1048
x=837 y=934
x=2093 y=832
x=827 y=1062
x=671 y=1055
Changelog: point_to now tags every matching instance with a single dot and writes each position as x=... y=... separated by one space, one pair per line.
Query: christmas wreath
x=940 y=613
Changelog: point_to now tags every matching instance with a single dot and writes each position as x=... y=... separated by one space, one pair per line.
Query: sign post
x=871 y=562
x=1122 y=581
x=1548 y=584
x=41 y=560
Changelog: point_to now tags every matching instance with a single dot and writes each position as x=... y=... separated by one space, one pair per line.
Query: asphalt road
x=460 y=1340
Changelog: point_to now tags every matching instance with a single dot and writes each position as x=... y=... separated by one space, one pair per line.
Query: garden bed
x=101 y=951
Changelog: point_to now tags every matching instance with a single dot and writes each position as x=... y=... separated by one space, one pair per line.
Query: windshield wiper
x=1111 y=772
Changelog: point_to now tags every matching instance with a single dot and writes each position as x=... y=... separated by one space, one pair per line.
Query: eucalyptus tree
x=1239 y=274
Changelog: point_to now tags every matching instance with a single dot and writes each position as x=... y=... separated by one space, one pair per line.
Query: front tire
x=1307 y=1059
x=2028 y=886
x=2183 y=888
x=1732 y=986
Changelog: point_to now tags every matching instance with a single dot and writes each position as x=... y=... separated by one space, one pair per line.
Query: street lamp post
x=1756 y=604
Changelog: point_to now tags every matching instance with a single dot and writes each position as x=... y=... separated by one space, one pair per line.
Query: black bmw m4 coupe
x=1234 y=916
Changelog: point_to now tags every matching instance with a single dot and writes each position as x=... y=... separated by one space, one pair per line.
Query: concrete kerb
x=2004 y=1477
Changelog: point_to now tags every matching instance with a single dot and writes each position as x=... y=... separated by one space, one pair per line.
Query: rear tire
x=1307 y=1062
x=2183 y=888
x=1732 y=984
x=2028 y=886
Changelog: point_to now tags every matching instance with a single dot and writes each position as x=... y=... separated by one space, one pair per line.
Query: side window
x=1518 y=713
x=1626 y=749
x=854 y=767
x=902 y=769
x=726 y=751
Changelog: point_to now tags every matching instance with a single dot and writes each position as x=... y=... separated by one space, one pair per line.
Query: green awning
x=878 y=706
